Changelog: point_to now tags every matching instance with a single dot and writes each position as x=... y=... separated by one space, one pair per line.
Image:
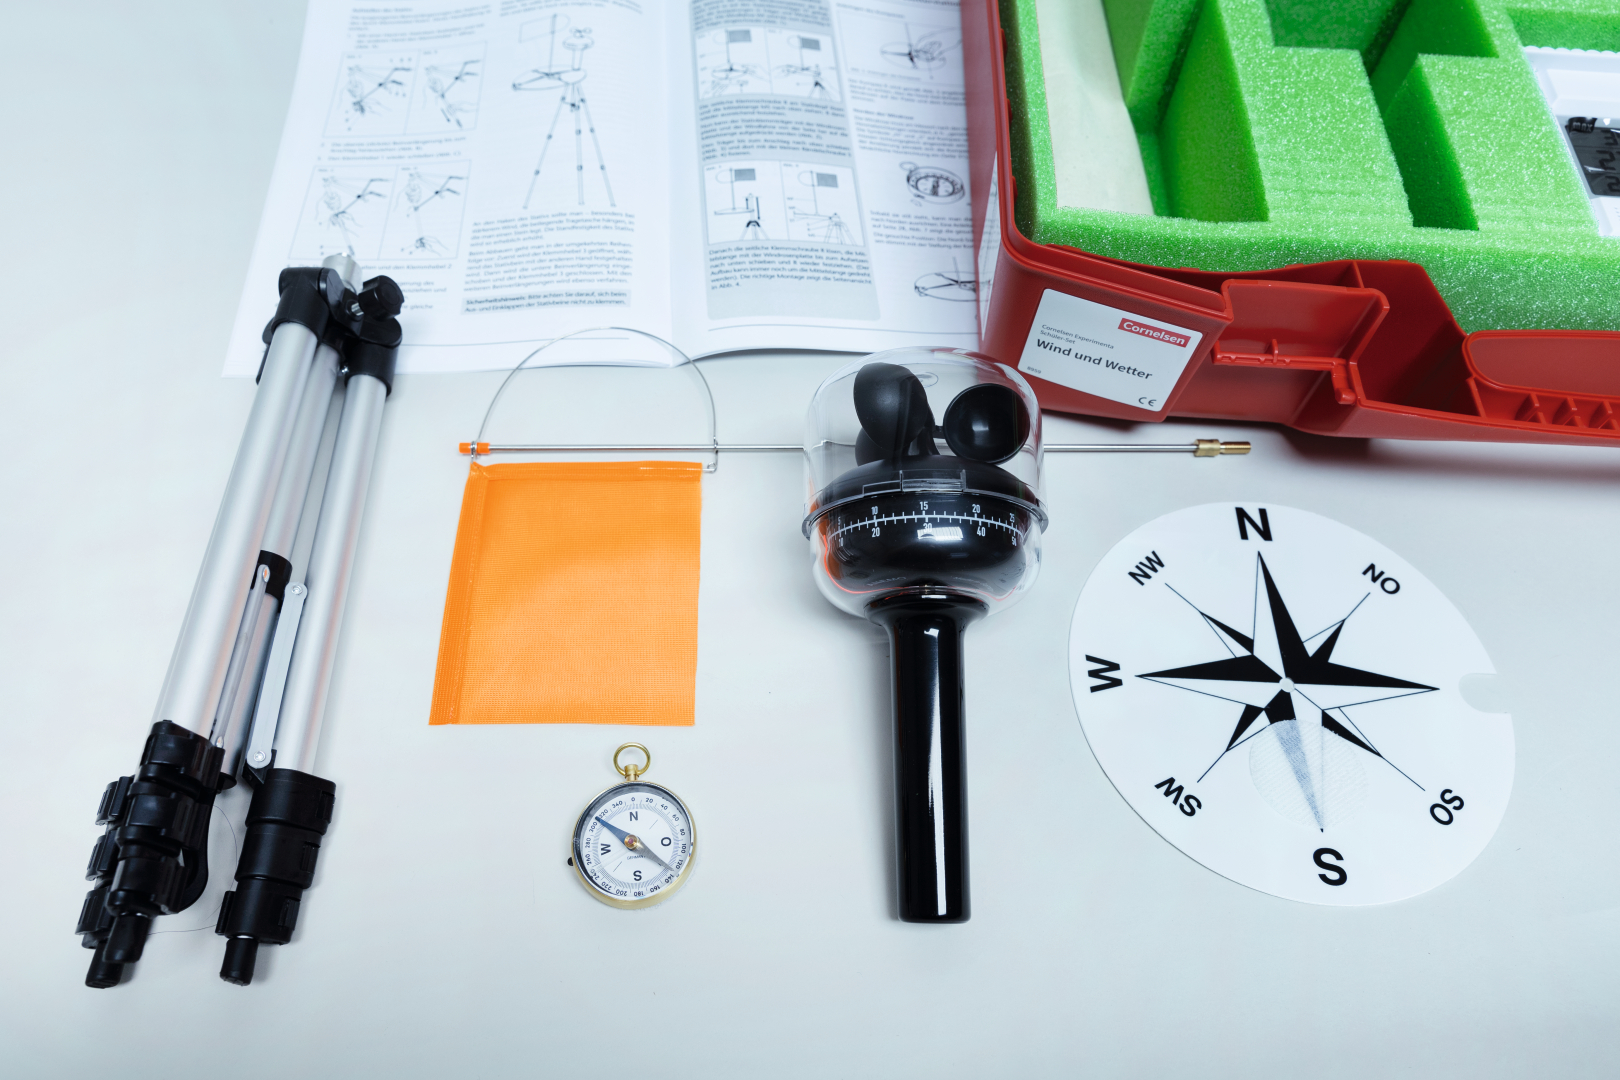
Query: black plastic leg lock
x=153 y=858
x=285 y=823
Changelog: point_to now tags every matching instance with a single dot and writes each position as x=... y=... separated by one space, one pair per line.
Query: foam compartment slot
x=1276 y=132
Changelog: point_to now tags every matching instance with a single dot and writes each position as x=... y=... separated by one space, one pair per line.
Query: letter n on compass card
x=1279 y=696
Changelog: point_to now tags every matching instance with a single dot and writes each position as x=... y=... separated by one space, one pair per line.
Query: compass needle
x=642 y=867
x=1288 y=736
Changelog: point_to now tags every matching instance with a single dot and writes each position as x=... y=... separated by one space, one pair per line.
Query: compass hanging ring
x=632 y=772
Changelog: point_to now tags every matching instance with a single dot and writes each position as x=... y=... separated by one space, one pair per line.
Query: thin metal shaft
x=282 y=528
x=234 y=723
x=331 y=564
x=1198 y=448
x=202 y=655
x=241 y=655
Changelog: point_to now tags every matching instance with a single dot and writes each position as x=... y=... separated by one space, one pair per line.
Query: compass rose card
x=1279 y=697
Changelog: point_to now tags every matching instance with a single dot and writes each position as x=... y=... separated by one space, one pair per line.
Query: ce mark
x=1148 y=402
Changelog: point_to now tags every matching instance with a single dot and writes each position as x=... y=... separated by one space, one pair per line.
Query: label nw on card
x=1107 y=352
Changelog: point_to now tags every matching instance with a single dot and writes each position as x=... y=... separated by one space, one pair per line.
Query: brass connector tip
x=1215 y=448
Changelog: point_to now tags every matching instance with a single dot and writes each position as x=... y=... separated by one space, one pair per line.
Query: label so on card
x=1107 y=352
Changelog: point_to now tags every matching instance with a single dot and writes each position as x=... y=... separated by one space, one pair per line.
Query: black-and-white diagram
x=760 y=60
x=948 y=285
x=732 y=62
x=821 y=204
x=570 y=81
x=425 y=220
x=924 y=50
x=809 y=70
x=749 y=209
x=345 y=211
x=373 y=95
x=447 y=91
x=430 y=93
x=932 y=184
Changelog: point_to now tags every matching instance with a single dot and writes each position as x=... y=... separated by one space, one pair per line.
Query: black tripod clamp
x=153 y=858
x=286 y=820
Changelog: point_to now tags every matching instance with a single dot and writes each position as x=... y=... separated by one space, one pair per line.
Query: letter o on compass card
x=1279 y=696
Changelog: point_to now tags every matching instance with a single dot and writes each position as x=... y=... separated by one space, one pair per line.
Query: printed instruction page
x=729 y=174
x=832 y=142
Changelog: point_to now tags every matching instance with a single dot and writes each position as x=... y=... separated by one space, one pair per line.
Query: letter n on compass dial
x=1279 y=696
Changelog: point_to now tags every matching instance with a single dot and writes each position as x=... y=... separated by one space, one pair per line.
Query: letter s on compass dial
x=1279 y=697
x=633 y=845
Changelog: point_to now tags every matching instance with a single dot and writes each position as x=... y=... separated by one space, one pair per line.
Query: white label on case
x=1107 y=352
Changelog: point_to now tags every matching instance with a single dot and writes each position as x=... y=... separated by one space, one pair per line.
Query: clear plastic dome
x=923 y=469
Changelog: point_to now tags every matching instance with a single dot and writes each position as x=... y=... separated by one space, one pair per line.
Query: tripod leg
x=152 y=858
x=293 y=807
x=202 y=655
x=545 y=146
x=303 y=703
x=232 y=724
x=601 y=164
x=579 y=156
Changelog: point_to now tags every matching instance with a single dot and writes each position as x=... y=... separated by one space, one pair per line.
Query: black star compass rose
x=1272 y=666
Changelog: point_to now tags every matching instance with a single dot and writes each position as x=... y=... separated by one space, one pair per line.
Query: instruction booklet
x=726 y=174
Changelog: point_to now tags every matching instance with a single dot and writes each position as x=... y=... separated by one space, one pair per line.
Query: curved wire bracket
x=479 y=446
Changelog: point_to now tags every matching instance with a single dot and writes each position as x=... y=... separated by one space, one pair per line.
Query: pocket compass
x=634 y=843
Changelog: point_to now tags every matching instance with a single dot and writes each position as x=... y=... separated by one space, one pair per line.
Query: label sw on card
x=1106 y=352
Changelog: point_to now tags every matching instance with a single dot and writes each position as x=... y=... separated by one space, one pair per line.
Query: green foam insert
x=1290 y=131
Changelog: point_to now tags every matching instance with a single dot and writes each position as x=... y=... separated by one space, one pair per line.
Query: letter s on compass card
x=1106 y=352
x=1279 y=696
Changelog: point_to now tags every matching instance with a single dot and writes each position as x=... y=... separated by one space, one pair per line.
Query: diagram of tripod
x=339 y=204
x=752 y=228
x=926 y=52
x=370 y=90
x=443 y=83
x=421 y=193
x=828 y=228
x=571 y=81
x=808 y=69
x=732 y=77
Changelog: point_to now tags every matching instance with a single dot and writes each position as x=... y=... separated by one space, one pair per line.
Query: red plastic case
x=1354 y=347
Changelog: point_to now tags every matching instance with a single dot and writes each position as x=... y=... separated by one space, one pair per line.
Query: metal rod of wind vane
x=1197 y=448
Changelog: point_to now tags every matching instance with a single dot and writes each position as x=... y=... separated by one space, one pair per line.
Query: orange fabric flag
x=573 y=596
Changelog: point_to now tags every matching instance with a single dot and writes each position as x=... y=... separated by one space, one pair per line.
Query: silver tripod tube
x=202 y=655
x=241 y=691
x=331 y=564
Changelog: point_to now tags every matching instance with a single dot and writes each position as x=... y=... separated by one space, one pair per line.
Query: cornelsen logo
x=1157 y=333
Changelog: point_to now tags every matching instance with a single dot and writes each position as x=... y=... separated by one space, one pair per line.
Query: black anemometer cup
x=924 y=541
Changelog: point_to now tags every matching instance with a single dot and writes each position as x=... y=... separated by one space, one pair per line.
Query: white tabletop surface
x=444 y=936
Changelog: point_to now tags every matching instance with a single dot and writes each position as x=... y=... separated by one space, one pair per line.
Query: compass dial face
x=633 y=845
x=1278 y=696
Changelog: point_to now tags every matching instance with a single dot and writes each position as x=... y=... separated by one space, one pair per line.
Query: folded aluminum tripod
x=246 y=689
